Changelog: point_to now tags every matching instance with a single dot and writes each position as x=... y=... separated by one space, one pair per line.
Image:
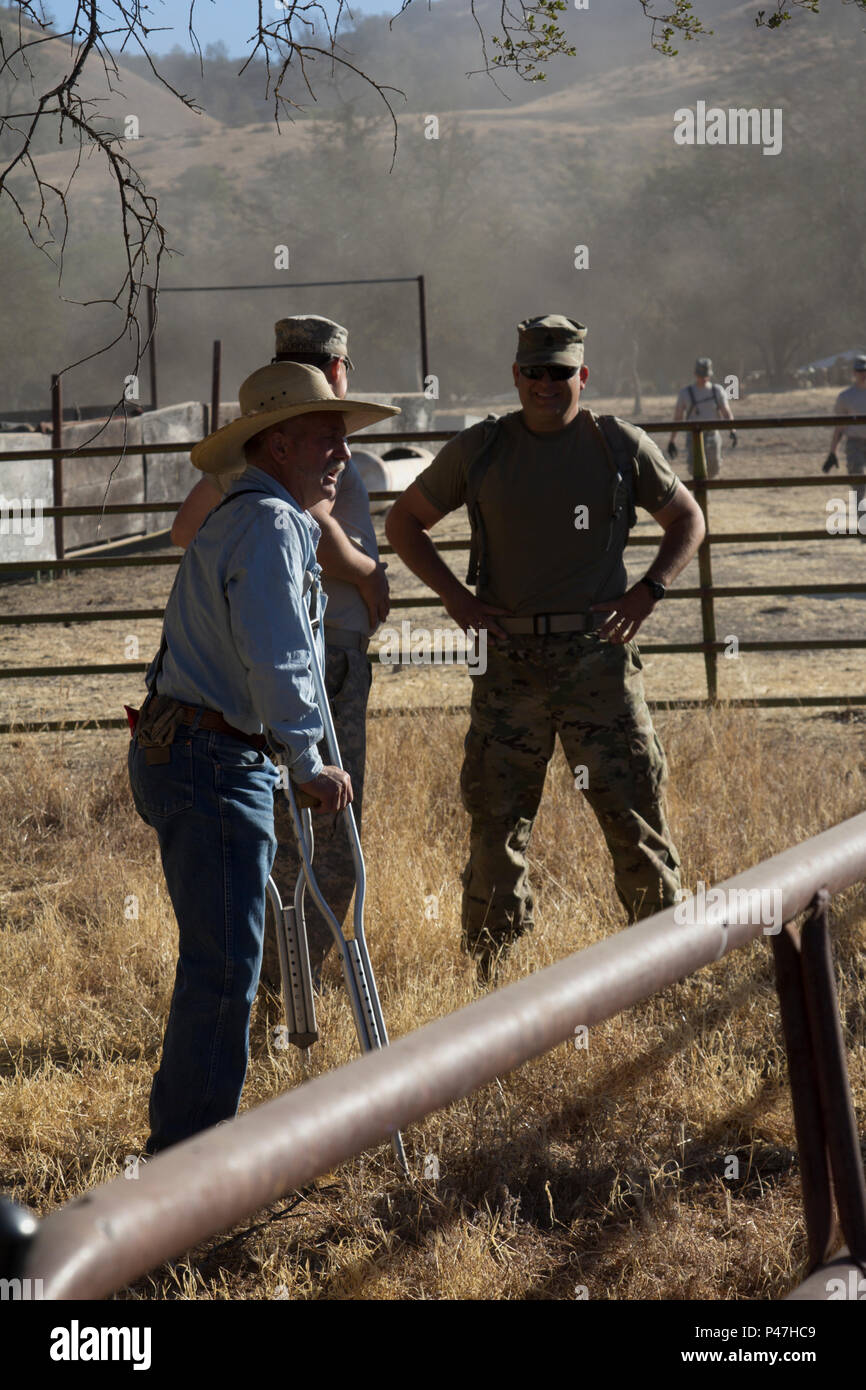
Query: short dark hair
x=308 y=359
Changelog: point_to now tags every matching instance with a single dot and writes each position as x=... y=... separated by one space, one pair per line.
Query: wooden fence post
x=57 y=463
x=705 y=570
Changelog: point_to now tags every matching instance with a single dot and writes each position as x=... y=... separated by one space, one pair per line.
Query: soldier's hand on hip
x=376 y=594
x=469 y=612
x=626 y=613
x=332 y=789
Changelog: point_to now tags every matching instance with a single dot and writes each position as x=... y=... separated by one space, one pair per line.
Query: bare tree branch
x=528 y=36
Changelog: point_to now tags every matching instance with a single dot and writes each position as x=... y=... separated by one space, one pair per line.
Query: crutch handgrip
x=304 y=800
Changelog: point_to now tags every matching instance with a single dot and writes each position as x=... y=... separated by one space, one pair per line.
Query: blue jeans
x=212 y=807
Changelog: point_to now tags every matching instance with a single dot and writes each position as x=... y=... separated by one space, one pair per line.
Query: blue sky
x=232 y=21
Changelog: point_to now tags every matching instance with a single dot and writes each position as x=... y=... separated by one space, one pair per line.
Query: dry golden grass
x=602 y=1168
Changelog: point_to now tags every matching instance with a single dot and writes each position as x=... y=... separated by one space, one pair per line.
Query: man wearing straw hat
x=232 y=672
x=357 y=592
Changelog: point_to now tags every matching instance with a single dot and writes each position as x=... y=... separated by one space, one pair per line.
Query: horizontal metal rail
x=706 y=593
x=116 y=1233
x=108 y=615
x=713 y=484
x=16 y=567
x=73 y=725
x=113 y=668
x=180 y=446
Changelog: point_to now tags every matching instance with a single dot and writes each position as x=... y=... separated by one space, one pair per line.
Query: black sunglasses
x=556 y=373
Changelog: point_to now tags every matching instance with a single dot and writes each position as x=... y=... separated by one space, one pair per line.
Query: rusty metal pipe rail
x=114 y=1234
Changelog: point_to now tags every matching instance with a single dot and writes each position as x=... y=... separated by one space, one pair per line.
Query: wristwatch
x=658 y=590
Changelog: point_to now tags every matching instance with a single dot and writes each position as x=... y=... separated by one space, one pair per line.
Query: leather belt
x=540 y=624
x=210 y=719
x=345 y=637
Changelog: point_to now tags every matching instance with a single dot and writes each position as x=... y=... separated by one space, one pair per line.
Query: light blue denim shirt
x=234 y=640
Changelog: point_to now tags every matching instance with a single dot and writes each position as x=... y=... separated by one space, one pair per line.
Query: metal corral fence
x=116 y=1233
x=706 y=593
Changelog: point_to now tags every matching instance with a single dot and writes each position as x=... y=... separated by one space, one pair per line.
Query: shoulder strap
x=230 y=497
x=475 y=475
x=693 y=399
x=620 y=451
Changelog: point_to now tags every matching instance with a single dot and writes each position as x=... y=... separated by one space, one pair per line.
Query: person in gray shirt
x=703 y=401
x=851 y=401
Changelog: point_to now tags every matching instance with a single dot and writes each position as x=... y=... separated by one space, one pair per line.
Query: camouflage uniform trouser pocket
x=623 y=774
x=507 y=749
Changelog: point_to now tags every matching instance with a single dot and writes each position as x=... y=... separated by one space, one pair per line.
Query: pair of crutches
x=291 y=931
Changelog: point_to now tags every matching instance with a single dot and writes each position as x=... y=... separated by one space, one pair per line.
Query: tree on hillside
x=521 y=39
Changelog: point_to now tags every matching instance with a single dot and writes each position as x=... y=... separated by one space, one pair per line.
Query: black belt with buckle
x=546 y=624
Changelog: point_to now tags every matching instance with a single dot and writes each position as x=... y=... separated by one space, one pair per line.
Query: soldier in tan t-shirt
x=551 y=491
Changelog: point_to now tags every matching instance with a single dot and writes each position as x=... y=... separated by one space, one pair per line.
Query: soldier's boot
x=489 y=953
x=492 y=924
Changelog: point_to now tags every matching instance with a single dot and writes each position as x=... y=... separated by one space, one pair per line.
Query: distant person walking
x=703 y=401
x=851 y=401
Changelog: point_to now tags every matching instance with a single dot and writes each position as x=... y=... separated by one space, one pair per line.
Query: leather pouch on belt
x=157 y=727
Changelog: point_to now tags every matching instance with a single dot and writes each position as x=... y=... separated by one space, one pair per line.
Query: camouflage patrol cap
x=311 y=333
x=550 y=338
x=704 y=366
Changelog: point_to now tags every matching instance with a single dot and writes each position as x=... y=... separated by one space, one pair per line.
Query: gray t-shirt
x=852 y=402
x=701 y=402
x=346 y=608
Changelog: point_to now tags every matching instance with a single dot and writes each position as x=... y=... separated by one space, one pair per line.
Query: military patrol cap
x=860 y=362
x=311 y=333
x=550 y=338
x=704 y=366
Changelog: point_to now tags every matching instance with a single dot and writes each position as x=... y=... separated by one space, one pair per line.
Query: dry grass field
x=602 y=1168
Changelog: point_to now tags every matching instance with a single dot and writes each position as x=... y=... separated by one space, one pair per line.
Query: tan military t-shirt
x=546 y=503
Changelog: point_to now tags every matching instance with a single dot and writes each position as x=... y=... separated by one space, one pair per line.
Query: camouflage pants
x=590 y=693
x=347 y=679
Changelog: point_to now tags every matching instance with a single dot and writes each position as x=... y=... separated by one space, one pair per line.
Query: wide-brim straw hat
x=272 y=394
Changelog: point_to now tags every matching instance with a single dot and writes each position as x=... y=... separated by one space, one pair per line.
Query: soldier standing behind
x=550 y=492
x=355 y=585
x=703 y=401
x=852 y=401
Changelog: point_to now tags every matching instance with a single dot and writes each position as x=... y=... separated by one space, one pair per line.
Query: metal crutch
x=297 y=988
